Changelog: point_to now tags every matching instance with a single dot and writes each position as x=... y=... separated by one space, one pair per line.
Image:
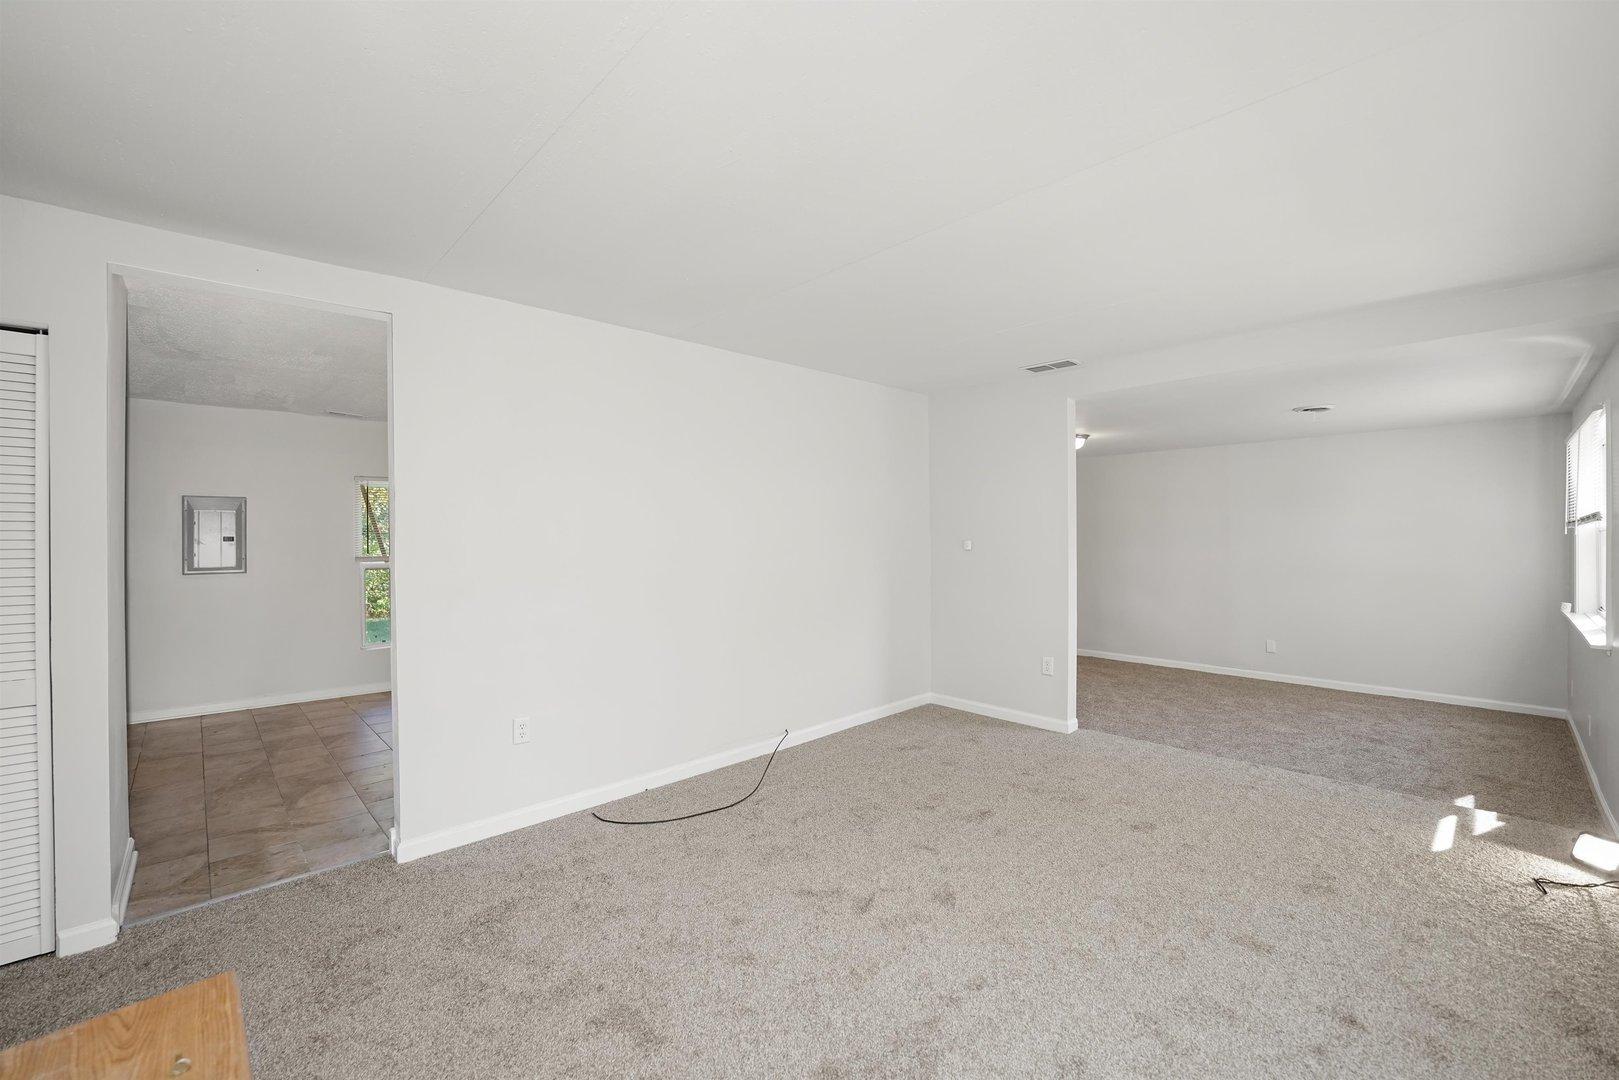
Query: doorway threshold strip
x=276 y=884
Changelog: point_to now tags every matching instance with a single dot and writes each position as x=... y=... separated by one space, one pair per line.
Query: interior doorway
x=258 y=564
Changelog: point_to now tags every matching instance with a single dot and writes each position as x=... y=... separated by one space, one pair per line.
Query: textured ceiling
x=206 y=347
x=923 y=195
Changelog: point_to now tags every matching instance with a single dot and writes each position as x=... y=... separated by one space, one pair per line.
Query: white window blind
x=1585 y=514
x=1571 y=485
x=1586 y=484
x=371 y=519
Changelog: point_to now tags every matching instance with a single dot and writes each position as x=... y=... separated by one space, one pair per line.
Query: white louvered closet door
x=27 y=918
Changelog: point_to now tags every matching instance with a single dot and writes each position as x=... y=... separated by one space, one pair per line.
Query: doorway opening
x=258 y=571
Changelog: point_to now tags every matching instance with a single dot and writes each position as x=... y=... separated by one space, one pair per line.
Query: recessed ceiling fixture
x=1079 y=440
x=344 y=415
x=1314 y=410
x=1055 y=365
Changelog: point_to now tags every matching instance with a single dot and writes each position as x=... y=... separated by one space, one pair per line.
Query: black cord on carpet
x=700 y=813
x=1542 y=882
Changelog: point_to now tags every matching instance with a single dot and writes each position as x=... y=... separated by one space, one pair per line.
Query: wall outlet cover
x=520 y=730
x=1048 y=665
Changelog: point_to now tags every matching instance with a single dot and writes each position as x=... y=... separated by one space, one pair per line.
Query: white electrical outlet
x=966 y=545
x=1048 y=665
x=1270 y=644
x=520 y=730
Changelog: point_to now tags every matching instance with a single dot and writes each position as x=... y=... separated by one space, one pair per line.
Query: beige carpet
x=1509 y=762
x=932 y=894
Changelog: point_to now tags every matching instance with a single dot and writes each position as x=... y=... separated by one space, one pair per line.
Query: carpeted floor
x=934 y=894
x=1509 y=762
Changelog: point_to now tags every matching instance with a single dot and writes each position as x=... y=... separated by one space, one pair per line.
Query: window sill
x=1592 y=628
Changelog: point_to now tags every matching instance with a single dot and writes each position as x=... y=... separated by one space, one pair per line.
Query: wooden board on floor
x=195 y=1032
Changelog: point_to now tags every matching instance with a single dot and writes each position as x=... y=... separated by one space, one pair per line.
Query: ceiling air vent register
x=1057 y=366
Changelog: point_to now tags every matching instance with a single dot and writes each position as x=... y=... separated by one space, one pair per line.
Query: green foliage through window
x=378 y=606
x=373 y=541
x=374 y=521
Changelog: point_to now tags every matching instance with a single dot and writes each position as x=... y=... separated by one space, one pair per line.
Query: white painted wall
x=117 y=706
x=1593 y=674
x=1428 y=559
x=697 y=548
x=1003 y=477
x=86 y=389
x=289 y=628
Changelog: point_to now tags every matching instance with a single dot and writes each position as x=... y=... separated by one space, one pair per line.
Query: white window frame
x=372 y=481
x=369 y=646
x=1588 y=611
x=373 y=562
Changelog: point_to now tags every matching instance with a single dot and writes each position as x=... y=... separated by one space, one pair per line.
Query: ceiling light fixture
x=1079 y=440
x=1313 y=410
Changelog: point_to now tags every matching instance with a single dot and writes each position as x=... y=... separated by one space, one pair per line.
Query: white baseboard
x=1334 y=684
x=78 y=939
x=411 y=849
x=998 y=712
x=126 y=880
x=147 y=716
x=1591 y=775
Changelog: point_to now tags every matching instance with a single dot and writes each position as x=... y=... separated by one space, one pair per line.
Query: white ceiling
x=923 y=195
x=1475 y=377
x=205 y=346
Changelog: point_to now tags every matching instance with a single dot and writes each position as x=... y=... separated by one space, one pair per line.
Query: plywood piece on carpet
x=195 y=1032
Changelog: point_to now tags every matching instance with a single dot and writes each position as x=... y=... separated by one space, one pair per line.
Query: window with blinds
x=1585 y=515
x=373 y=542
x=371 y=519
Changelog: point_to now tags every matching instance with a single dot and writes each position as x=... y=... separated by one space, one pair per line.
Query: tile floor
x=220 y=804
